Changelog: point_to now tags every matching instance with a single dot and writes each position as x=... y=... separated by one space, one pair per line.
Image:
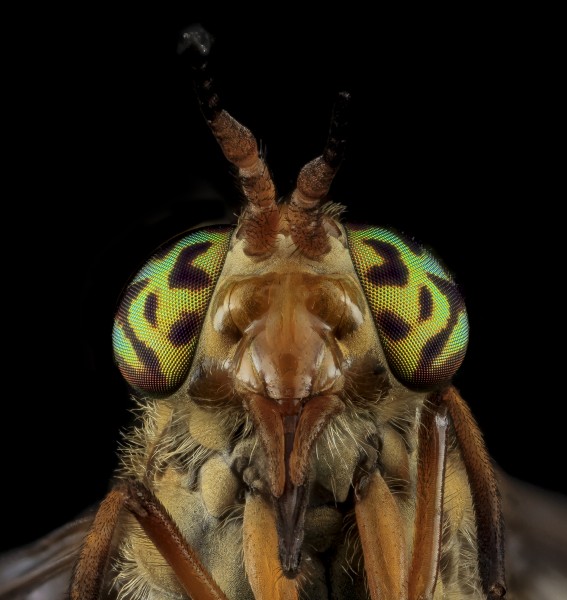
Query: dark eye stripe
x=418 y=310
x=392 y=325
x=185 y=275
x=392 y=271
x=150 y=365
x=425 y=304
x=449 y=290
x=430 y=368
x=184 y=329
x=132 y=292
x=150 y=309
x=158 y=322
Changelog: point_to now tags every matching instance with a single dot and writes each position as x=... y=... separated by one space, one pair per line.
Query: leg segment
x=381 y=528
x=429 y=508
x=88 y=576
x=261 y=558
x=485 y=494
x=381 y=532
x=89 y=572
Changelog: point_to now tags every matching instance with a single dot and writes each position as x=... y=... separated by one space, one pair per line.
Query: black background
x=450 y=141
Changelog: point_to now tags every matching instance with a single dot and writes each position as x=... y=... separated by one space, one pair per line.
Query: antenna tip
x=342 y=102
x=195 y=38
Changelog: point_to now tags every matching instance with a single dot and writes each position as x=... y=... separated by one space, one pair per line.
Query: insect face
x=298 y=435
x=288 y=381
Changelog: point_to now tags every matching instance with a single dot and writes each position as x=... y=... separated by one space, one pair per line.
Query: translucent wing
x=42 y=569
x=536 y=541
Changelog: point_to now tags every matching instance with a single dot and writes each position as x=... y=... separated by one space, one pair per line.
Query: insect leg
x=429 y=508
x=89 y=571
x=167 y=538
x=485 y=494
x=381 y=532
x=159 y=527
x=261 y=558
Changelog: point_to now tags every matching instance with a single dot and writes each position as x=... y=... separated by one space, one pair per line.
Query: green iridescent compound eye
x=157 y=325
x=418 y=310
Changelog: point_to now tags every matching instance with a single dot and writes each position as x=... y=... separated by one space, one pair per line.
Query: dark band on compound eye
x=392 y=270
x=425 y=304
x=185 y=275
x=417 y=308
x=160 y=317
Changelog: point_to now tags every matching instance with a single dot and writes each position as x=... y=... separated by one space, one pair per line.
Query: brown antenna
x=313 y=184
x=259 y=221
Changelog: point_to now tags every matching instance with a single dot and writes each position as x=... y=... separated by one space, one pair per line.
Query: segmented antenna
x=259 y=221
x=313 y=184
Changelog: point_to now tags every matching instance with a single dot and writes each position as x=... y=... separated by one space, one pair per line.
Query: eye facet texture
x=159 y=319
x=419 y=312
